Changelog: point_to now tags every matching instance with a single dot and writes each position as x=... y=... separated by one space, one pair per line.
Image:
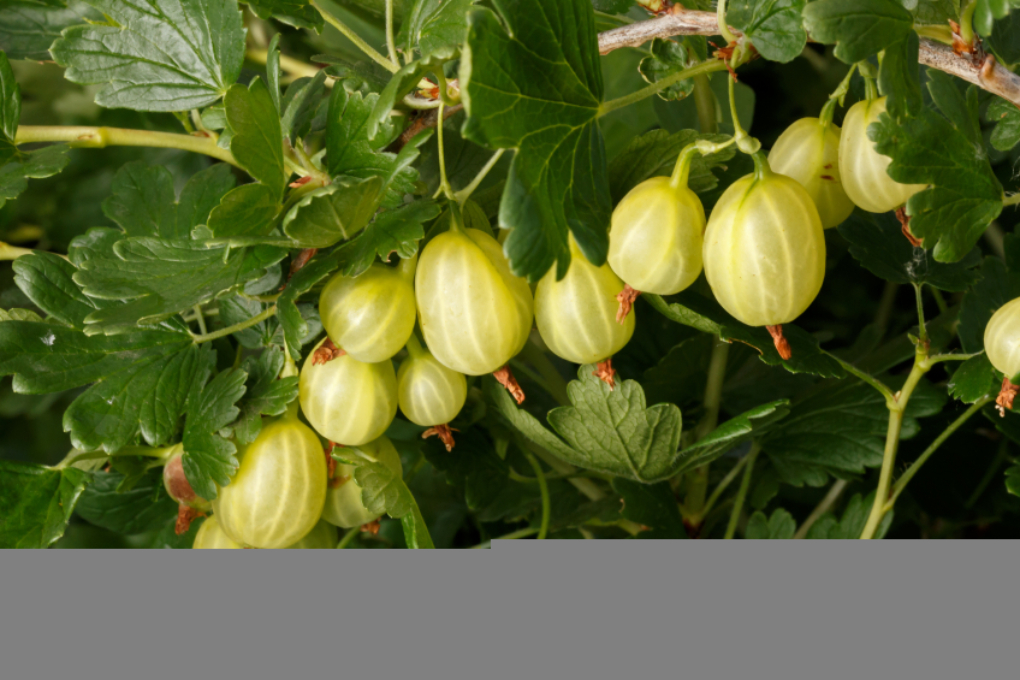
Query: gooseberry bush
x=427 y=273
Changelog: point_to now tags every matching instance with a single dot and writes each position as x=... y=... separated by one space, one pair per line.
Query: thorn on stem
x=1006 y=396
x=506 y=378
x=185 y=516
x=445 y=434
x=779 y=340
x=901 y=215
x=626 y=298
x=605 y=372
x=326 y=353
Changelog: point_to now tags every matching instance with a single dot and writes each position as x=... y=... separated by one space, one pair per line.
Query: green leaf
x=10 y=109
x=933 y=12
x=606 y=430
x=973 y=380
x=877 y=242
x=18 y=315
x=998 y=285
x=146 y=506
x=949 y=154
x=679 y=376
x=774 y=26
x=855 y=516
x=161 y=277
x=143 y=201
x=899 y=77
x=837 y=430
x=393 y=232
x=1006 y=116
x=475 y=467
x=402 y=83
x=257 y=143
x=750 y=425
x=142 y=377
x=859 y=28
x=383 y=491
x=27 y=31
x=265 y=394
x=1005 y=40
x=14 y=176
x=297 y=13
x=300 y=104
x=987 y=11
x=654 y=154
x=333 y=213
x=168 y=55
x=295 y=327
x=780 y=525
x=667 y=57
x=36 y=502
x=692 y=309
x=248 y=210
x=350 y=151
x=434 y=26
x=209 y=458
x=653 y=506
x=534 y=83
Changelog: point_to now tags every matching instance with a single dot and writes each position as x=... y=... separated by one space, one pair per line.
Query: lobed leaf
x=36 y=502
x=859 y=28
x=165 y=55
x=780 y=526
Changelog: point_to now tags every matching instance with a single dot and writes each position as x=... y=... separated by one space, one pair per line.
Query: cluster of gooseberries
x=762 y=251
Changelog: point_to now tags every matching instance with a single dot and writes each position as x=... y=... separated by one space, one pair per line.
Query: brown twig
x=985 y=73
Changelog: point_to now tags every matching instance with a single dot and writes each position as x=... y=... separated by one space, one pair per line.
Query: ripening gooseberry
x=348 y=401
x=474 y=313
x=321 y=537
x=177 y=486
x=371 y=316
x=211 y=536
x=1002 y=339
x=576 y=316
x=808 y=151
x=656 y=236
x=428 y=392
x=862 y=169
x=344 y=507
x=764 y=248
x=276 y=495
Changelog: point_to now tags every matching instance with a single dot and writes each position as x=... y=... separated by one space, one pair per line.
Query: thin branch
x=987 y=75
x=102 y=137
x=821 y=508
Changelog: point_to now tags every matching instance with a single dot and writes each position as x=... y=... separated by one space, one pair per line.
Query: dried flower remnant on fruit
x=626 y=298
x=330 y=461
x=445 y=434
x=1007 y=394
x=371 y=528
x=779 y=340
x=605 y=372
x=185 y=516
x=327 y=353
x=506 y=378
x=901 y=215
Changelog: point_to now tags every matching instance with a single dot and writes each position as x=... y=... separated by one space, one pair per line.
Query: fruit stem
x=909 y=473
x=229 y=330
x=745 y=484
x=444 y=182
x=868 y=71
x=358 y=41
x=745 y=142
x=830 y=499
x=682 y=169
x=697 y=479
x=718 y=491
x=705 y=102
x=837 y=97
x=414 y=346
x=724 y=30
x=391 y=45
x=408 y=267
x=543 y=489
x=465 y=193
x=967 y=23
x=825 y=117
x=762 y=169
x=101 y=137
x=705 y=67
x=348 y=538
